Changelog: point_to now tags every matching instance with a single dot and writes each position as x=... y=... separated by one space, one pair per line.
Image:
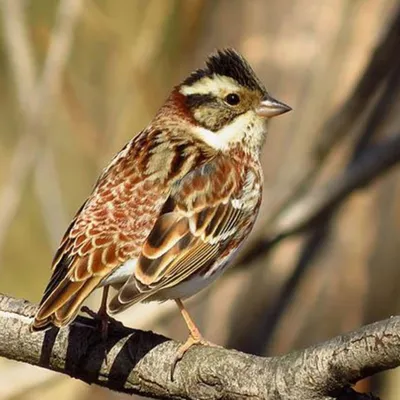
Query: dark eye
x=232 y=99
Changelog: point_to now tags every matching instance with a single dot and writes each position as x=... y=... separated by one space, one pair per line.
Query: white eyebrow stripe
x=216 y=84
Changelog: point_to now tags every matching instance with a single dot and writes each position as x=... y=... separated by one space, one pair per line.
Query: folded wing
x=199 y=220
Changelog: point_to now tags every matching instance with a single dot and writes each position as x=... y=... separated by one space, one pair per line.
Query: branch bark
x=139 y=362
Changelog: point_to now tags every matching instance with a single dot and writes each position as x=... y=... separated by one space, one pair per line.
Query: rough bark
x=139 y=362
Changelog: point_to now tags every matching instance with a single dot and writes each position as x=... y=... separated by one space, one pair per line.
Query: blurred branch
x=11 y=191
x=366 y=163
x=377 y=70
x=139 y=362
x=18 y=50
x=313 y=212
x=304 y=205
x=382 y=62
x=49 y=194
x=317 y=203
x=378 y=159
x=36 y=99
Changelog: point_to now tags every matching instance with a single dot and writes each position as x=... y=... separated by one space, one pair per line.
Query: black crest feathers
x=230 y=63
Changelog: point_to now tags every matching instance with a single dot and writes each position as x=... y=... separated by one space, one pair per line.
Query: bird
x=172 y=208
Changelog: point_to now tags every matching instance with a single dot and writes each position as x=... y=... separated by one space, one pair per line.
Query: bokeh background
x=79 y=78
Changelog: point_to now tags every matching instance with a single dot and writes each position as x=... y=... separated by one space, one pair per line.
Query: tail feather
x=121 y=301
x=63 y=304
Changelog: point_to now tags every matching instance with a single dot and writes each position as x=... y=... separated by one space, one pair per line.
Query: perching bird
x=174 y=205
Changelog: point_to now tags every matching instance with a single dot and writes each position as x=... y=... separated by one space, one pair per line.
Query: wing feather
x=201 y=221
x=113 y=224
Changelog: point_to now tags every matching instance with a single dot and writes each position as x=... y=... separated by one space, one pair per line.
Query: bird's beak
x=269 y=107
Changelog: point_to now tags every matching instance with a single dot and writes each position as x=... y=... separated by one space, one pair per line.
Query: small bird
x=172 y=208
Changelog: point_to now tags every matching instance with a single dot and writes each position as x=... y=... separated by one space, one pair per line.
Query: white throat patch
x=248 y=127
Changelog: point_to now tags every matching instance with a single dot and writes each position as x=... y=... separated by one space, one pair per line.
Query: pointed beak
x=269 y=107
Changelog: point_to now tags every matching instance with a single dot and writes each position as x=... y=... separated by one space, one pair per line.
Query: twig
x=139 y=362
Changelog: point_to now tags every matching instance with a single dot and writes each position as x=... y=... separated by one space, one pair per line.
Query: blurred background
x=79 y=78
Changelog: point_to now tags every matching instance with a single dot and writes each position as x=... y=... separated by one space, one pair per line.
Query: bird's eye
x=232 y=99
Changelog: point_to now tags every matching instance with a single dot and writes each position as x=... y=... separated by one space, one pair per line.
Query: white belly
x=121 y=274
x=192 y=286
x=183 y=290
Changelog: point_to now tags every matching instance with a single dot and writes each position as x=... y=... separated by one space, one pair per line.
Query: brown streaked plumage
x=170 y=210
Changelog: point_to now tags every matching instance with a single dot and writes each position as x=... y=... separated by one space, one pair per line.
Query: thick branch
x=139 y=362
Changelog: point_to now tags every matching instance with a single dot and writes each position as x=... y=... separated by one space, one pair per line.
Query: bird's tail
x=61 y=305
x=127 y=296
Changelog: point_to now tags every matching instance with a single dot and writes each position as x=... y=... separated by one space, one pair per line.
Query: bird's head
x=227 y=104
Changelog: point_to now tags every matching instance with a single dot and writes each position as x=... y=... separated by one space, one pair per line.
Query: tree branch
x=139 y=362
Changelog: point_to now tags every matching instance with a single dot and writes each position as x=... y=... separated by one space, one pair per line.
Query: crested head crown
x=228 y=62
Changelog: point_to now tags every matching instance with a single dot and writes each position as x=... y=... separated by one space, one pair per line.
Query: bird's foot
x=191 y=341
x=101 y=316
x=104 y=321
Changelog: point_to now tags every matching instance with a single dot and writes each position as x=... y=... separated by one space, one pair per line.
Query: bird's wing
x=111 y=227
x=202 y=218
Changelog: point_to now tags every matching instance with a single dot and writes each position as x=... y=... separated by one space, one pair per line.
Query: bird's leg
x=195 y=337
x=104 y=319
x=193 y=330
x=102 y=314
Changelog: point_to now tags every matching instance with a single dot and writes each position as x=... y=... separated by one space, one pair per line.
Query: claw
x=191 y=341
x=99 y=316
x=195 y=338
x=104 y=319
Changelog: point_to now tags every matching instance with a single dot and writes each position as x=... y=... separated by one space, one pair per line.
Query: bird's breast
x=249 y=195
